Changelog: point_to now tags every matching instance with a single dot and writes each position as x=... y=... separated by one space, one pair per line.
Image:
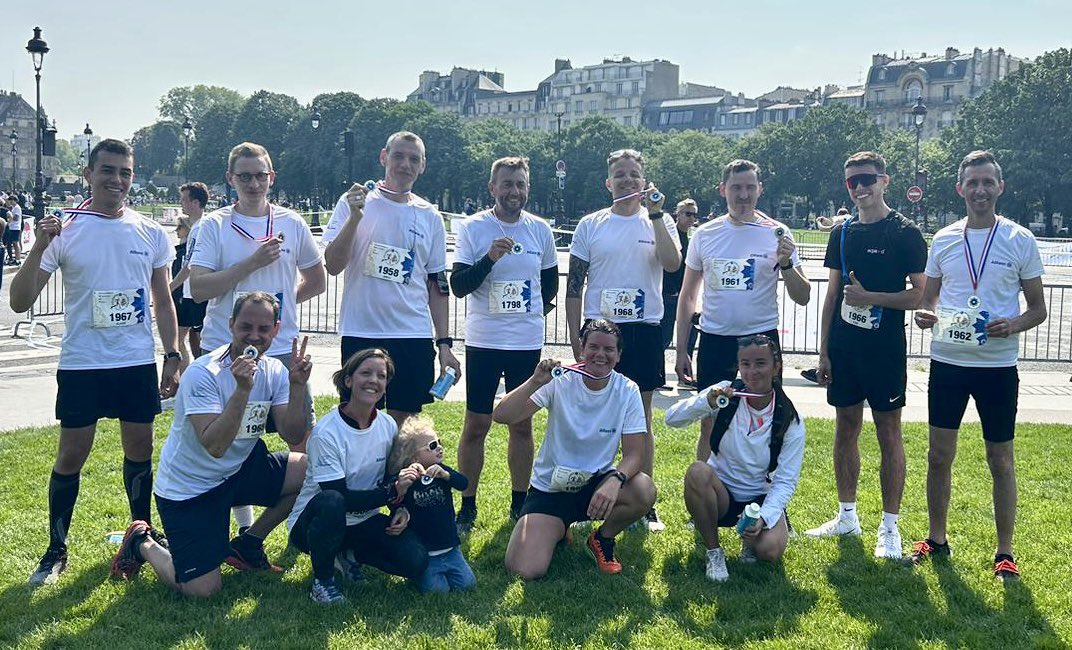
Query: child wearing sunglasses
x=431 y=506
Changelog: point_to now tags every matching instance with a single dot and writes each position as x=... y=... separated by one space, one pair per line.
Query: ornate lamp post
x=187 y=129
x=88 y=132
x=919 y=114
x=315 y=123
x=37 y=47
x=14 y=137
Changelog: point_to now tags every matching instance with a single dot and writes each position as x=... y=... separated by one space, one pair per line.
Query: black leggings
x=321 y=531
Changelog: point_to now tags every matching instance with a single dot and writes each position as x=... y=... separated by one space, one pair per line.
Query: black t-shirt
x=431 y=510
x=672 y=279
x=176 y=268
x=882 y=255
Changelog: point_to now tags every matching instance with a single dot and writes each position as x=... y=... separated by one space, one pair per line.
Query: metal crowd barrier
x=1050 y=342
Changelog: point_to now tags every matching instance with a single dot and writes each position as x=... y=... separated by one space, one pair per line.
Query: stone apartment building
x=17 y=114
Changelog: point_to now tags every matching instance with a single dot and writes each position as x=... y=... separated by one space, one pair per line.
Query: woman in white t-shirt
x=591 y=411
x=757 y=445
x=337 y=518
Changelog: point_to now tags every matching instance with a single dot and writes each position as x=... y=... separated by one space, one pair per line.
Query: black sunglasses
x=867 y=180
x=754 y=339
x=433 y=445
x=689 y=214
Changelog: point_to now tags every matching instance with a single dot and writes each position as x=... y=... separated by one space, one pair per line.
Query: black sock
x=469 y=503
x=517 y=499
x=138 y=481
x=62 y=493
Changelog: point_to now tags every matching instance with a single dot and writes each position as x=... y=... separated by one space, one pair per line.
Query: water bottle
x=751 y=514
x=443 y=384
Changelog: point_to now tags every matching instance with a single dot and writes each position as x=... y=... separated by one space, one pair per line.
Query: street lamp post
x=919 y=114
x=37 y=47
x=187 y=129
x=88 y=132
x=81 y=177
x=14 y=137
x=315 y=123
x=561 y=200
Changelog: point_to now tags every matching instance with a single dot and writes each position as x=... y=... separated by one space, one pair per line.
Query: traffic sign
x=560 y=166
x=915 y=194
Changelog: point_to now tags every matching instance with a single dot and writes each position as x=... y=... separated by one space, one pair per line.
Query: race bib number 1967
x=118 y=308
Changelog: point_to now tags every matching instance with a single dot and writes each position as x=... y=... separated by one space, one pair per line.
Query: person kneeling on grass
x=757 y=446
x=214 y=457
x=431 y=506
x=590 y=412
x=337 y=518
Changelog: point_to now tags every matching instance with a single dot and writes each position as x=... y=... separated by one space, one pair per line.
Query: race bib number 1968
x=254 y=420
x=622 y=304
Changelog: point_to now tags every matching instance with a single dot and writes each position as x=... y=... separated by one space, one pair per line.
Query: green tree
x=194 y=102
x=374 y=122
x=584 y=149
x=211 y=144
x=67 y=157
x=689 y=165
x=266 y=118
x=445 y=154
x=315 y=155
x=1025 y=120
x=157 y=148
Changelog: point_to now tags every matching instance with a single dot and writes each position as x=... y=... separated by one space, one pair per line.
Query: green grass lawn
x=825 y=594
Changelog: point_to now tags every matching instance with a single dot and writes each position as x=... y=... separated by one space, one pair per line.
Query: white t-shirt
x=191 y=243
x=337 y=450
x=740 y=275
x=584 y=429
x=15 y=222
x=1014 y=256
x=107 y=267
x=385 y=285
x=625 y=278
x=744 y=452
x=506 y=310
x=186 y=469
x=219 y=246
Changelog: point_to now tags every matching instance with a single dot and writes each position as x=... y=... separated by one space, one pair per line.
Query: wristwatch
x=786 y=267
x=171 y=355
x=446 y=340
x=620 y=475
x=656 y=215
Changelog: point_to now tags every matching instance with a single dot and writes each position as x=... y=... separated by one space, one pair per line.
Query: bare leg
x=943 y=449
x=892 y=468
x=848 y=422
x=1000 y=457
x=706 y=499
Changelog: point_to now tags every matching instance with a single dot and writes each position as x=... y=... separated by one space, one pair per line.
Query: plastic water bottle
x=443 y=384
x=751 y=514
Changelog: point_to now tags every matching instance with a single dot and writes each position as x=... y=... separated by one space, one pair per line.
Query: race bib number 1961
x=622 y=304
x=730 y=274
x=118 y=308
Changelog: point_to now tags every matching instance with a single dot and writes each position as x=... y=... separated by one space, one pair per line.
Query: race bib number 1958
x=389 y=263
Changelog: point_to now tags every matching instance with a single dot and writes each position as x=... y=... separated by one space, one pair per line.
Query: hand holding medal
x=355 y=198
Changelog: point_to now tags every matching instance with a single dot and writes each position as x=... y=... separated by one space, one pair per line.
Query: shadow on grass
x=899 y=603
x=757 y=602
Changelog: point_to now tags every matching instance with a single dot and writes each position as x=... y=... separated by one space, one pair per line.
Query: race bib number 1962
x=118 y=308
x=965 y=327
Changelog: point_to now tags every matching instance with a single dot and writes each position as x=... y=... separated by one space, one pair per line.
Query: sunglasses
x=246 y=177
x=754 y=339
x=433 y=445
x=689 y=214
x=867 y=180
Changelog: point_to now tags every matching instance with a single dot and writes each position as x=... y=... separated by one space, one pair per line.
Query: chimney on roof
x=879 y=59
x=562 y=64
x=951 y=53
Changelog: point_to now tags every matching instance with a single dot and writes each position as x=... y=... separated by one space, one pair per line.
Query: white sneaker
x=888 y=544
x=748 y=555
x=716 y=566
x=836 y=527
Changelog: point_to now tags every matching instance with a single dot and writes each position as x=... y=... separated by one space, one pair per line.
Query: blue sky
x=111 y=62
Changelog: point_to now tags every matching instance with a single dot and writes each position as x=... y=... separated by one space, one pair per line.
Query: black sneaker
x=812 y=375
x=465 y=520
x=159 y=538
x=1005 y=567
x=249 y=555
x=515 y=512
x=52 y=564
x=928 y=549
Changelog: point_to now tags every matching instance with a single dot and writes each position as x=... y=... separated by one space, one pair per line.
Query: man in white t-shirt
x=506 y=263
x=113 y=261
x=976 y=269
x=616 y=267
x=214 y=457
x=254 y=245
x=13 y=232
x=392 y=246
x=738 y=258
x=591 y=412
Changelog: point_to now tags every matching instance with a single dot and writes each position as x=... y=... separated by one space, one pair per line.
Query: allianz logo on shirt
x=610 y=430
x=416 y=233
x=646 y=241
x=1007 y=264
x=143 y=253
x=760 y=255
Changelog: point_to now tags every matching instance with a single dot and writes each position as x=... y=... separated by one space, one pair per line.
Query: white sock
x=848 y=510
x=714 y=552
x=243 y=515
x=889 y=522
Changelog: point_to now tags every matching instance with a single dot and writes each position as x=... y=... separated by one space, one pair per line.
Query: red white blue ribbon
x=269 y=228
x=577 y=368
x=974 y=273
x=74 y=213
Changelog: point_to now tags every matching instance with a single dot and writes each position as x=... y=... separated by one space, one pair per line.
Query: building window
x=779 y=115
x=619 y=88
x=636 y=87
x=722 y=120
x=880 y=97
x=593 y=106
x=578 y=106
x=947 y=119
x=747 y=118
x=947 y=93
x=951 y=69
x=627 y=120
x=913 y=90
x=735 y=119
x=882 y=74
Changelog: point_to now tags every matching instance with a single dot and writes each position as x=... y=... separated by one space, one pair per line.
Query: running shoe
x=716 y=565
x=748 y=555
x=811 y=374
x=1005 y=567
x=128 y=560
x=465 y=520
x=52 y=564
x=326 y=593
x=836 y=527
x=927 y=549
x=888 y=543
x=603 y=551
x=248 y=555
x=350 y=568
x=652 y=521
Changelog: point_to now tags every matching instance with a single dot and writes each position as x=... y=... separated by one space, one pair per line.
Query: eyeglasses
x=689 y=214
x=433 y=445
x=754 y=339
x=867 y=180
x=246 y=177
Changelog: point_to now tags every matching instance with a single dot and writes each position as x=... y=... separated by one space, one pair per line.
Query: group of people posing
x=248 y=373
